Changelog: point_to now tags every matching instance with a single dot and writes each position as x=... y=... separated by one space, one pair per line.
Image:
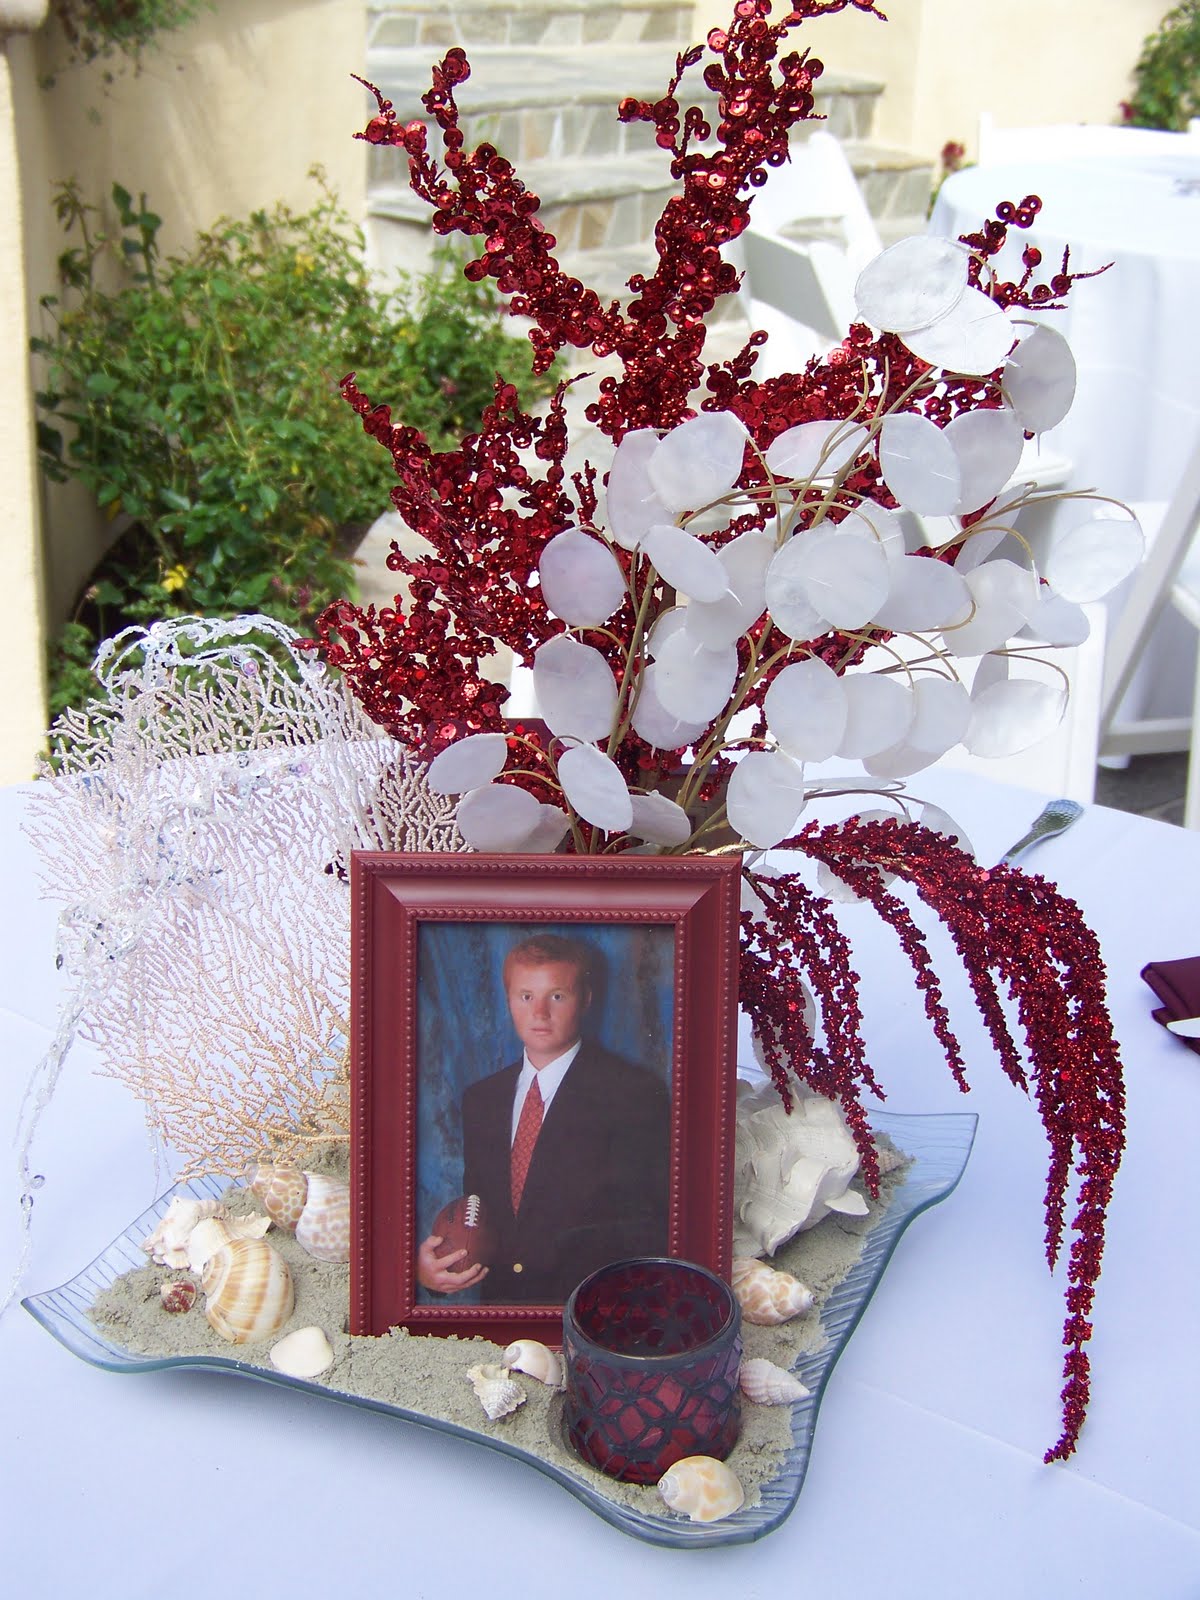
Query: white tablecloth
x=926 y=1478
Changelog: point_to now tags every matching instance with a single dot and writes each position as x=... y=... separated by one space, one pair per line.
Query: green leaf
x=172 y=498
x=102 y=383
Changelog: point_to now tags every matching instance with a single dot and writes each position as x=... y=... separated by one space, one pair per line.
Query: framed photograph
x=543 y=1080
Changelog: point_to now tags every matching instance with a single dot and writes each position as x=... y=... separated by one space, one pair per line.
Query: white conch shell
x=250 y=1291
x=768 y=1385
x=765 y=1295
x=538 y=1361
x=310 y=1204
x=498 y=1394
x=702 y=1487
x=167 y=1245
x=324 y=1226
x=303 y=1353
x=790 y=1170
x=207 y=1237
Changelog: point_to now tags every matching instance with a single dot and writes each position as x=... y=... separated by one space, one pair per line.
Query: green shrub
x=98 y=29
x=1167 y=77
x=199 y=403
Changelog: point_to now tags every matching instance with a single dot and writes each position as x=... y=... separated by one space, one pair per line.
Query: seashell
x=768 y=1385
x=889 y=1157
x=538 y=1361
x=282 y=1190
x=209 y=1235
x=250 y=1291
x=702 y=1487
x=765 y=1295
x=313 y=1206
x=178 y=1295
x=790 y=1169
x=324 y=1226
x=303 y=1354
x=498 y=1394
x=167 y=1245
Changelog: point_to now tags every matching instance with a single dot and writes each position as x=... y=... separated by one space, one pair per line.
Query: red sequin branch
x=1012 y=931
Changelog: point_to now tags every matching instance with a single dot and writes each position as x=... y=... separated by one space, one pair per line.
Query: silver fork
x=1055 y=818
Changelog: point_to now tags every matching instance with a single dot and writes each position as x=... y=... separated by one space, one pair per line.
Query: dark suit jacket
x=597 y=1185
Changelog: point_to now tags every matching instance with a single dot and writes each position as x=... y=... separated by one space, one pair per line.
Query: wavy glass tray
x=939 y=1147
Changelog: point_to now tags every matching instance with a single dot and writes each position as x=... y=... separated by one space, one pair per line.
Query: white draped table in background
x=926 y=1478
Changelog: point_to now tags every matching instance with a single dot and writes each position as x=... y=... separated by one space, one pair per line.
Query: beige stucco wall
x=1028 y=62
x=226 y=115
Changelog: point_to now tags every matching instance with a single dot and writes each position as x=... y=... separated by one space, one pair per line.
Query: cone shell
x=768 y=1385
x=305 y=1353
x=702 y=1488
x=498 y=1393
x=324 y=1225
x=283 y=1191
x=250 y=1291
x=538 y=1361
x=767 y=1296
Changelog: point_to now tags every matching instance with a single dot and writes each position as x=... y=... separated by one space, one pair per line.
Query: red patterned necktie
x=529 y=1125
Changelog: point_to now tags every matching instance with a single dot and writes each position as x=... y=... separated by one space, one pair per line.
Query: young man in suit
x=568 y=1148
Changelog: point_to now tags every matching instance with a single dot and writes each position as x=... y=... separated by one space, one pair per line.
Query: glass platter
x=939 y=1147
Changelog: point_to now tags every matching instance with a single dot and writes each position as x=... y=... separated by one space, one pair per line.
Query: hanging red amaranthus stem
x=1009 y=929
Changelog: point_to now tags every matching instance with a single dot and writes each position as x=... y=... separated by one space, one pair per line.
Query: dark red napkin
x=1177 y=985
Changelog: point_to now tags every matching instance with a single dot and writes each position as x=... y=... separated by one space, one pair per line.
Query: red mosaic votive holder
x=652 y=1350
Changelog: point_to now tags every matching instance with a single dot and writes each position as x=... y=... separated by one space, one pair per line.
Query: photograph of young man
x=568 y=1147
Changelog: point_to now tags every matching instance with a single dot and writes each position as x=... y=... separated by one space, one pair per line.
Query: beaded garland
x=489 y=507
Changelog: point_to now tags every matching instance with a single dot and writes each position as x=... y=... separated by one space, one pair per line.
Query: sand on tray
x=427 y=1374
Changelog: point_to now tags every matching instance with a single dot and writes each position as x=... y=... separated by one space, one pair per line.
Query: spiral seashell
x=702 y=1488
x=304 y=1353
x=178 y=1295
x=498 y=1394
x=538 y=1361
x=250 y=1291
x=768 y=1385
x=167 y=1245
x=765 y=1295
x=282 y=1190
x=324 y=1225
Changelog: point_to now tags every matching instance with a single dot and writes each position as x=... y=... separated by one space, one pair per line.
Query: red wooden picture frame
x=394 y=897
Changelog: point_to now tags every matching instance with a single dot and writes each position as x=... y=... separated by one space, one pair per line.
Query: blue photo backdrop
x=464 y=1032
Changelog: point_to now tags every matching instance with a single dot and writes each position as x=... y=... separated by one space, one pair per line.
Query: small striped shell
x=536 y=1360
x=702 y=1487
x=283 y=1191
x=324 y=1226
x=768 y=1385
x=250 y=1291
x=765 y=1295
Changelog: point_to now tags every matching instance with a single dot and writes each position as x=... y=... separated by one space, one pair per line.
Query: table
x=1134 y=330
x=926 y=1478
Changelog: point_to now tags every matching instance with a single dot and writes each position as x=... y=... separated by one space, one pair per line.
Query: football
x=463 y=1225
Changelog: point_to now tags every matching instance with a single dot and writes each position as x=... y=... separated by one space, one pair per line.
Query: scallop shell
x=765 y=1295
x=324 y=1225
x=178 y=1295
x=702 y=1487
x=790 y=1169
x=498 y=1394
x=167 y=1245
x=768 y=1385
x=538 y=1361
x=303 y=1354
x=250 y=1291
x=282 y=1190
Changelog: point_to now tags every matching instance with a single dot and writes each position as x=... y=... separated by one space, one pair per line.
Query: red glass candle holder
x=652 y=1349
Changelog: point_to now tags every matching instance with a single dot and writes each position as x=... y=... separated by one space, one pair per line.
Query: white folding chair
x=815 y=197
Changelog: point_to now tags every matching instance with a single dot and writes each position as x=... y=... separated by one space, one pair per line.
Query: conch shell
x=498 y=1394
x=315 y=1206
x=790 y=1169
x=250 y=1291
x=768 y=1385
x=765 y=1295
x=538 y=1361
x=702 y=1487
x=304 y=1353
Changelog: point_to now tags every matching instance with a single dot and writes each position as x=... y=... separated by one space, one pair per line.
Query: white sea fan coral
x=196 y=822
